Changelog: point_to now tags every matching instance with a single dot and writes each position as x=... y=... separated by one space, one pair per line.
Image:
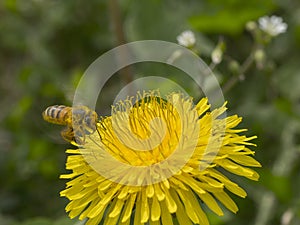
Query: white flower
x=272 y=25
x=186 y=39
x=217 y=55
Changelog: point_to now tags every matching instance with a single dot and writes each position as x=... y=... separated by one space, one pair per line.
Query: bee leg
x=79 y=136
x=68 y=135
x=98 y=133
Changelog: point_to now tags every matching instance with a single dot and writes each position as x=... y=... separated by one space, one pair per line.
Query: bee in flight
x=79 y=121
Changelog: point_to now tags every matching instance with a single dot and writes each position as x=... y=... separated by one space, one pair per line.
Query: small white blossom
x=186 y=39
x=273 y=25
x=217 y=55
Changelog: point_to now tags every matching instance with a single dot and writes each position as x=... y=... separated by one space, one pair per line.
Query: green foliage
x=229 y=17
x=45 y=46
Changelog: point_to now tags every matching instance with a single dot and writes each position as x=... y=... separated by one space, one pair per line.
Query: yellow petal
x=166 y=217
x=211 y=182
x=97 y=217
x=191 y=183
x=117 y=208
x=144 y=207
x=199 y=212
x=137 y=215
x=211 y=203
x=104 y=185
x=114 y=209
x=226 y=201
x=67 y=176
x=155 y=209
x=177 y=183
x=154 y=222
x=231 y=186
x=188 y=206
x=172 y=207
x=158 y=192
x=150 y=191
x=245 y=160
x=95 y=220
x=95 y=211
x=107 y=198
x=237 y=169
x=75 y=212
x=89 y=208
x=128 y=207
x=84 y=201
x=202 y=106
x=181 y=214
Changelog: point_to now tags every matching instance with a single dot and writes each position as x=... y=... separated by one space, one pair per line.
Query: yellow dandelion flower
x=154 y=161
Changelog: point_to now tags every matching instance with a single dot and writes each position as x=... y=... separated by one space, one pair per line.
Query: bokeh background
x=45 y=46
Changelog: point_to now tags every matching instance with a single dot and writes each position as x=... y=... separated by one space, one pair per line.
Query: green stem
x=245 y=66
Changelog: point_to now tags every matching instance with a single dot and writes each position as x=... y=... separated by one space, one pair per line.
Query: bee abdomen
x=58 y=114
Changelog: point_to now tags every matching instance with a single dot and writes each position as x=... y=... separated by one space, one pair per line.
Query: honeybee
x=79 y=121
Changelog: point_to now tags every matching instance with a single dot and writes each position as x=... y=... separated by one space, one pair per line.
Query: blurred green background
x=45 y=46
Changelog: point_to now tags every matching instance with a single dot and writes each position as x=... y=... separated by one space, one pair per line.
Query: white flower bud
x=186 y=39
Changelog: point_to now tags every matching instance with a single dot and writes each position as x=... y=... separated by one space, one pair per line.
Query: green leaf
x=229 y=17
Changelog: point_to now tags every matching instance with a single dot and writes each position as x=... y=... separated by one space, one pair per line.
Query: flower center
x=144 y=133
x=144 y=142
